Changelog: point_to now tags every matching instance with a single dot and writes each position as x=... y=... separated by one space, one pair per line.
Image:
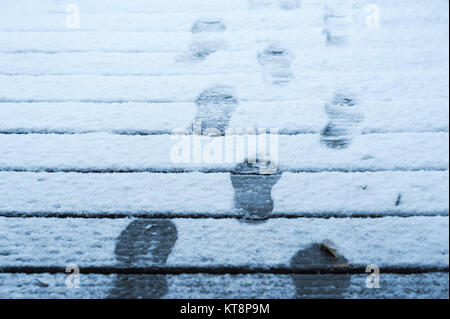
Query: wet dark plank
x=430 y=285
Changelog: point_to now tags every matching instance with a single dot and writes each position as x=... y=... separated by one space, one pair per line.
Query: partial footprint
x=252 y=182
x=276 y=64
x=215 y=107
x=139 y=286
x=320 y=256
x=208 y=26
x=205 y=40
x=289 y=4
x=345 y=116
x=337 y=26
x=144 y=242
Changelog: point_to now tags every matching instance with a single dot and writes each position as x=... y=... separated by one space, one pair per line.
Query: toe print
x=144 y=242
x=205 y=40
x=215 y=107
x=252 y=188
x=276 y=63
x=345 y=117
x=320 y=256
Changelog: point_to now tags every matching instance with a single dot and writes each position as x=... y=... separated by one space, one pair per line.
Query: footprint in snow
x=320 y=256
x=215 y=106
x=344 y=118
x=276 y=64
x=337 y=27
x=252 y=182
x=205 y=40
x=144 y=242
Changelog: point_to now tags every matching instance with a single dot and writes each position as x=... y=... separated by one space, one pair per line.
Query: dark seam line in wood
x=237 y=215
x=176 y=270
x=168 y=132
x=205 y=170
x=123 y=101
x=94 y=101
x=131 y=51
x=125 y=74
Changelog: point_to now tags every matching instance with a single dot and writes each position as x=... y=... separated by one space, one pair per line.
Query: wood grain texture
x=186 y=88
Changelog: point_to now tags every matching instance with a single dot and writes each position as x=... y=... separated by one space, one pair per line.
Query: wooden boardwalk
x=99 y=100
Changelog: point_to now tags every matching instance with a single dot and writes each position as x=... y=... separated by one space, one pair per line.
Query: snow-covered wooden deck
x=88 y=175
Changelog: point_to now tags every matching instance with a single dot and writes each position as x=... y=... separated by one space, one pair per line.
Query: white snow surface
x=305 y=152
x=414 y=241
x=75 y=102
x=289 y=117
x=314 y=194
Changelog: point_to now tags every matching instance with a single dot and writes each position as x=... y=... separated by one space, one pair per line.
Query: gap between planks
x=170 y=215
x=168 y=132
x=207 y=170
x=222 y=270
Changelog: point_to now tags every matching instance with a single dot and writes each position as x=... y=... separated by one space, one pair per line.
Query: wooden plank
x=204 y=286
x=293 y=117
x=387 y=242
x=294 y=194
x=186 y=88
x=168 y=22
x=47 y=6
x=126 y=41
x=75 y=117
x=138 y=6
x=111 y=153
x=239 y=16
x=221 y=62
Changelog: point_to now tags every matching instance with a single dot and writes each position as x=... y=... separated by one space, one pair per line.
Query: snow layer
x=183 y=88
x=398 y=73
x=55 y=6
x=101 y=151
x=314 y=194
x=122 y=41
x=221 y=62
x=413 y=241
x=289 y=117
x=51 y=16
